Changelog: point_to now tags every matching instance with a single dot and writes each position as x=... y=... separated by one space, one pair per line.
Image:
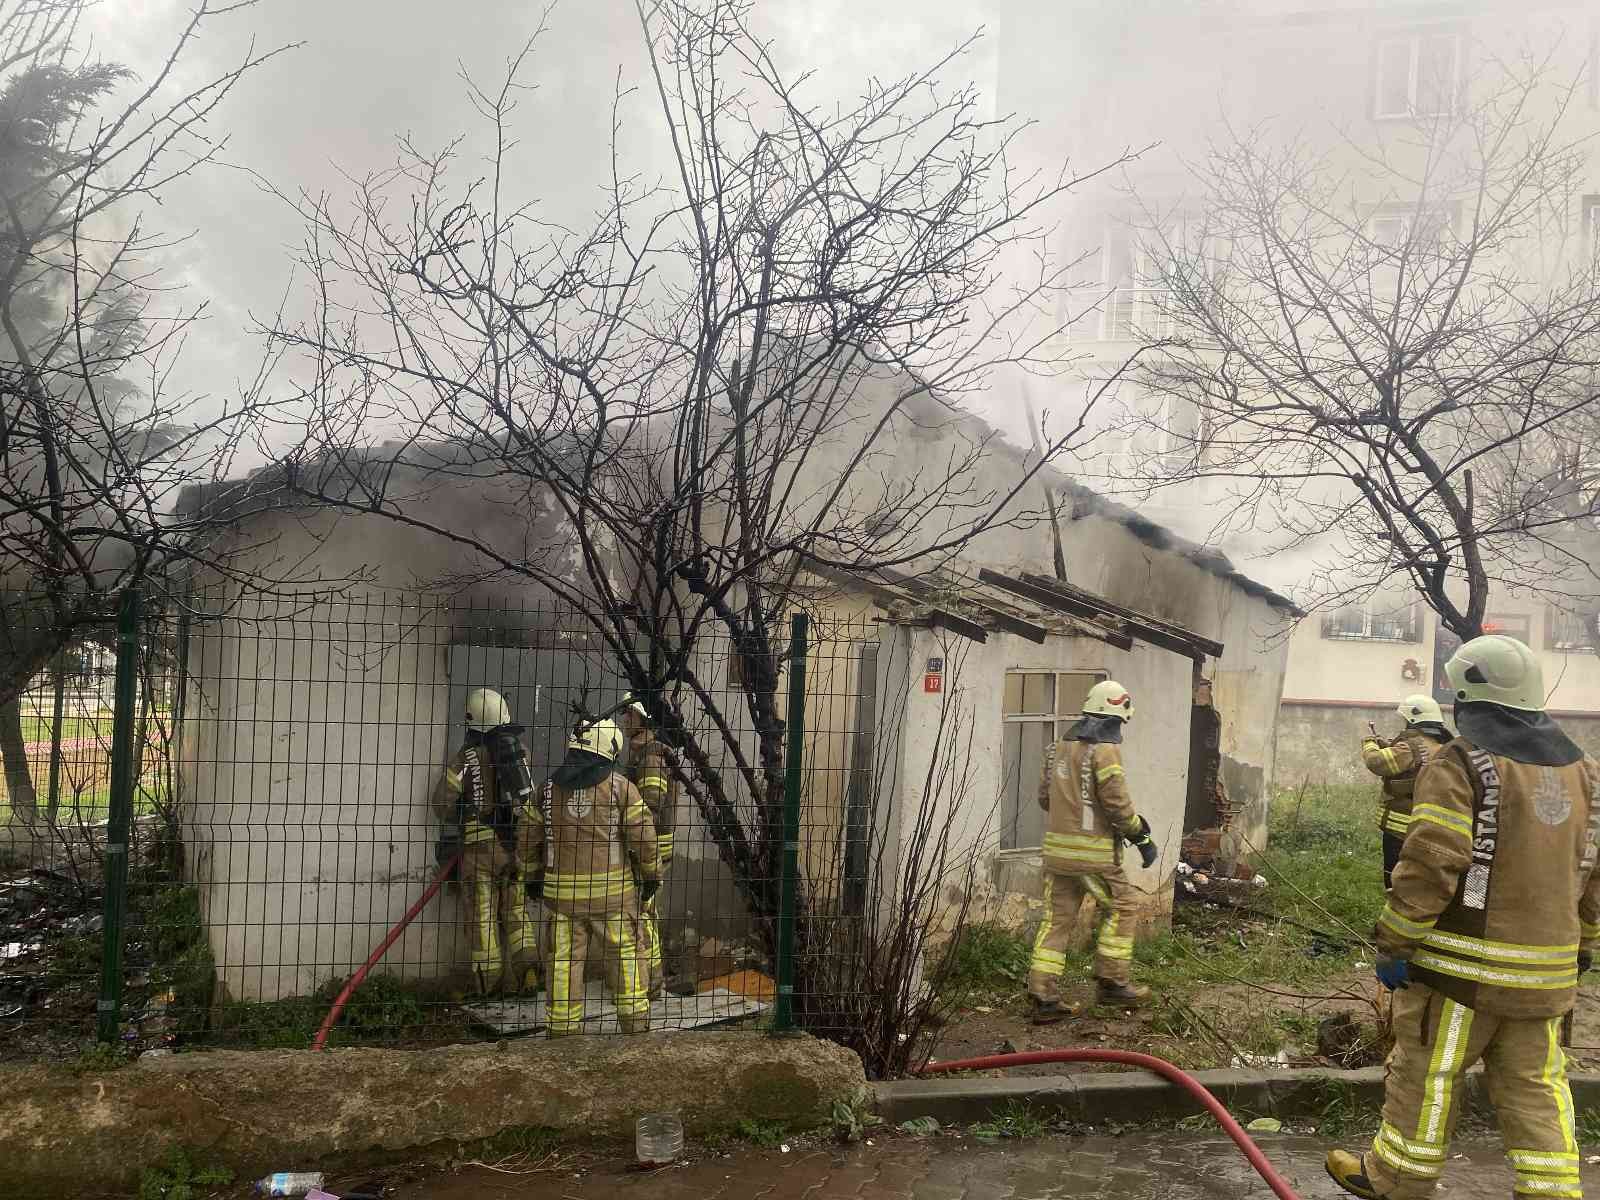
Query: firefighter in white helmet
x=589 y=852
x=1493 y=915
x=1085 y=794
x=648 y=771
x=1397 y=763
x=477 y=801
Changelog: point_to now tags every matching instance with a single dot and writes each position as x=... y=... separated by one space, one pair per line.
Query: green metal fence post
x=793 y=764
x=123 y=776
x=57 y=716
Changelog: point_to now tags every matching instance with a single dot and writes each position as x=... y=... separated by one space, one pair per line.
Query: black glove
x=534 y=888
x=1141 y=841
x=648 y=890
x=1585 y=961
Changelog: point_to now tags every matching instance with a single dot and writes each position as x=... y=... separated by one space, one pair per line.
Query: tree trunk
x=19 y=780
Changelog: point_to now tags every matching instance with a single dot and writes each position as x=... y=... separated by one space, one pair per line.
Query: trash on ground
x=1265 y=1125
x=290 y=1183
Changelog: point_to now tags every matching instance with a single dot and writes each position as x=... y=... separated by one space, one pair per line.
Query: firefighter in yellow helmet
x=1085 y=794
x=647 y=771
x=585 y=843
x=477 y=802
x=1397 y=763
x=1493 y=915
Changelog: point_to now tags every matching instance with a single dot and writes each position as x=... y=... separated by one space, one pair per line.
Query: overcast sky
x=371 y=70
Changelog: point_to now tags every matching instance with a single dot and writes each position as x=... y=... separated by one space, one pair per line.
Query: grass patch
x=1323 y=866
x=383 y=1009
x=1340 y=1113
x=1588 y=1120
x=768 y=1135
x=1015 y=1120
x=182 y=952
x=984 y=960
x=180 y=1176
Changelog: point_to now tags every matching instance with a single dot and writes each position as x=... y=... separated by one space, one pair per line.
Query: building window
x=1517 y=625
x=1355 y=623
x=1418 y=74
x=1578 y=631
x=1039 y=707
x=1591 y=225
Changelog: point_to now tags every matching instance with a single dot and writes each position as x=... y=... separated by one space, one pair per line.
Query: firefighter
x=647 y=770
x=476 y=802
x=1493 y=915
x=585 y=843
x=1085 y=795
x=1397 y=764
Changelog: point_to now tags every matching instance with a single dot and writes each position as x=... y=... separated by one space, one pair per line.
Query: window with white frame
x=1591 y=226
x=1373 y=623
x=1418 y=74
x=1038 y=708
x=1572 y=630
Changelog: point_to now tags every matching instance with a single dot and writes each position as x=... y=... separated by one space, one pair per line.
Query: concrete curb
x=68 y=1134
x=1133 y=1097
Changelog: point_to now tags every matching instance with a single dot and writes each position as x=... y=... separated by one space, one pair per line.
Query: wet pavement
x=1143 y=1167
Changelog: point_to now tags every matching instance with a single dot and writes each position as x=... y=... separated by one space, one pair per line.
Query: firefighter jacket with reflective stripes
x=589 y=845
x=647 y=770
x=1495 y=892
x=1397 y=764
x=468 y=795
x=1085 y=794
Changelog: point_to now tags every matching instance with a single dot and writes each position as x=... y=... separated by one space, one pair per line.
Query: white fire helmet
x=487 y=709
x=1109 y=699
x=1420 y=710
x=598 y=737
x=1499 y=670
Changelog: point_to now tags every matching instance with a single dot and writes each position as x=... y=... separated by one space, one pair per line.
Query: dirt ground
x=1238 y=1017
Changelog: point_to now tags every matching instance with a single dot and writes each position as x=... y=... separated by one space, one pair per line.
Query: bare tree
x=93 y=447
x=727 y=380
x=1387 y=347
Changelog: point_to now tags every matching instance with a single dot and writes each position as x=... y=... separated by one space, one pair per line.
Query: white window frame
x=1056 y=721
x=1591 y=619
x=1413 y=40
x=1590 y=224
x=1369 y=617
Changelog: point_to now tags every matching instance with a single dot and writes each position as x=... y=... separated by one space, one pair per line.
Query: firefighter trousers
x=615 y=935
x=1391 y=856
x=502 y=939
x=1116 y=910
x=1525 y=1070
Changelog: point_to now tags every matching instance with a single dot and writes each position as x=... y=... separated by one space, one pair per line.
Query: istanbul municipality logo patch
x=1551 y=802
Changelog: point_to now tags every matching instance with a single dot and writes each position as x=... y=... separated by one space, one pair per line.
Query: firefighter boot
x=1125 y=995
x=1349 y=1171
x=1050 y=1012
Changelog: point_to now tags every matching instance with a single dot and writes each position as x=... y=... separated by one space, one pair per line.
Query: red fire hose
x=1158 y=1066
x=320 y=1042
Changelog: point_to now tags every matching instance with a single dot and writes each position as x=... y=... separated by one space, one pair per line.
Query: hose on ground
x=1148 y=1062
x=320 y=1042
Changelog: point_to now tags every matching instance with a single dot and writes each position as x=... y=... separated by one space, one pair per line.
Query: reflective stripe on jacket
x=1496 y=892
x=1397 y=763
x=1084 y=791
x=589 y=845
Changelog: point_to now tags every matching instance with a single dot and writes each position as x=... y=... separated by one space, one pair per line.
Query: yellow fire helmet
x=1499 y=670
x=1420 y=710
x=598 y=737
x=487 y=709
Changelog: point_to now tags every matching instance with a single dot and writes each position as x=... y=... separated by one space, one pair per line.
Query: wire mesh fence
x=298 y=773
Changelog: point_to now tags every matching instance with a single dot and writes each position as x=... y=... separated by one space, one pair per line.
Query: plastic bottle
x=658 y=1139
x=289 y=1183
